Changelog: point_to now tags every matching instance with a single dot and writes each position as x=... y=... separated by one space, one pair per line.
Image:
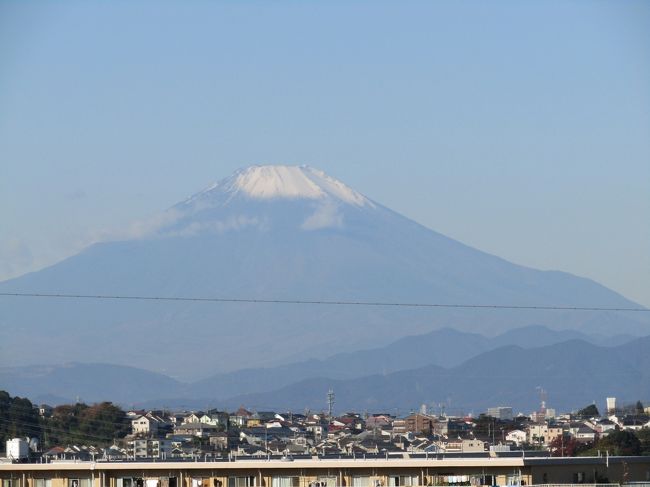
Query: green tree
x=5 y=403
x=588 y=412
x=644 y=440
x=98 y=424
x=63 y=425
x=488 y=427
x=18 y=418
x=620 y=443
x=104 y=421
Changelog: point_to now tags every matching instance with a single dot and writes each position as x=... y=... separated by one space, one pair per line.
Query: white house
x=518 y=437
x=144 y=425
x=207 y=419
x=193 y=418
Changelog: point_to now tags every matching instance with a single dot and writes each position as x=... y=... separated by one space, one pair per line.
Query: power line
x=56 y=431
x=318 y=302
x=53 y=419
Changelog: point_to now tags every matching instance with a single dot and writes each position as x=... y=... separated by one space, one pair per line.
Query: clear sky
x=520 y=128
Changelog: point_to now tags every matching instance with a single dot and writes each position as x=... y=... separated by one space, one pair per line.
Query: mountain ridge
x=98 y=382
x=508 y=375
x=443 y=347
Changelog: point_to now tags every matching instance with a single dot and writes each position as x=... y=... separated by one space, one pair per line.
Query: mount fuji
x=279 y=233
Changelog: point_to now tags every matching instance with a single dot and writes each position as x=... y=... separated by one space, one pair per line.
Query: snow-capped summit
x=264 y=198
x=290 y=182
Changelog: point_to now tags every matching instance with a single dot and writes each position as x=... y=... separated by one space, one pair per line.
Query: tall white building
x=611 y=405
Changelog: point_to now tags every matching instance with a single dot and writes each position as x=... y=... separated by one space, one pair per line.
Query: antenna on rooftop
x=330 y=403
x=543 y=396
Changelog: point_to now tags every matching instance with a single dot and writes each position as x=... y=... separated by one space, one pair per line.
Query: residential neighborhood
x=166 y=435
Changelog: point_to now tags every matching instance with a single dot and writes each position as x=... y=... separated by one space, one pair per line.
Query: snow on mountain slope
x=266 y=182
x=277 y=182
x=243 y=199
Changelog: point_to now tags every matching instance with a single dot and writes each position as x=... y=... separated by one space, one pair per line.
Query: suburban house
x=145 y=426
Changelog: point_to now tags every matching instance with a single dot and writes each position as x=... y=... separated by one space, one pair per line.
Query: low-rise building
x=463 y=445
x=416 y=423
x=503 y=413
x=17 y=448
x=145 y=426
x=149 y=448
x=543 y=434
x=385 y=471
x=518 y=437
x=198 y=429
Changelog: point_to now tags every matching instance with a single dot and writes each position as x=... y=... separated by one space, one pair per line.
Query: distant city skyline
x=520 y=129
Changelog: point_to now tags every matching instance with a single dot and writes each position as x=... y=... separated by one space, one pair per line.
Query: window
x=79 y=483
x=579 y=478
x=324 y=482
x=487 y=480
x=124 y=482
x=8 y=483
x=285 y=482
x=42 y=482
x=360 y=481
x=241 y=481
x=513 y=479
x=402 y=480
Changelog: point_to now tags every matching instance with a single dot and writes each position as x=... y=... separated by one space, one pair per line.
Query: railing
x=327 y=457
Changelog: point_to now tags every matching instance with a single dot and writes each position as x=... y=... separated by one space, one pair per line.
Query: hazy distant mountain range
x=459 y=370
x=574 y=373
x=445 y=347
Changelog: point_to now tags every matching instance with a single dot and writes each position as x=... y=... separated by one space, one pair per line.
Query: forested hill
x=99 y=424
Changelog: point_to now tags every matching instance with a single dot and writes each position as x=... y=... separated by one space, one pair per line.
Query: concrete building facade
x=384 y=472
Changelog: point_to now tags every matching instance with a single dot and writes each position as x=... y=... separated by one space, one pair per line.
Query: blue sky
x=520 y=128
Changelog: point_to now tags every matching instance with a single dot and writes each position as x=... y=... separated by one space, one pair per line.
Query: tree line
x=616 y=443
x=98 y=424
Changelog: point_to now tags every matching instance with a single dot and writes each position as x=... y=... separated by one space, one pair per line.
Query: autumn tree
x=566 y=446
